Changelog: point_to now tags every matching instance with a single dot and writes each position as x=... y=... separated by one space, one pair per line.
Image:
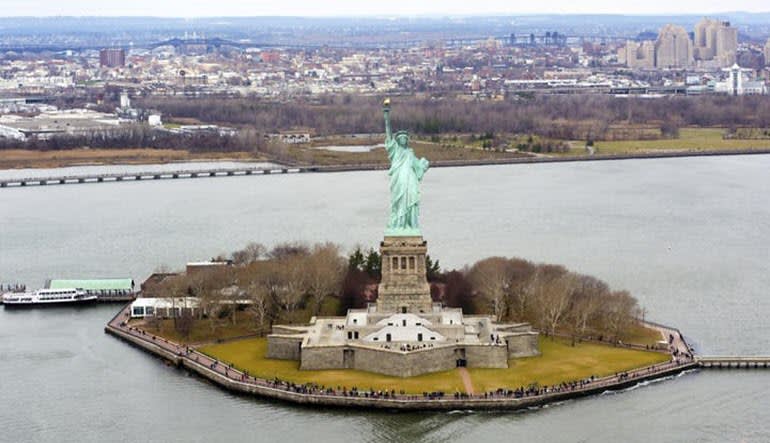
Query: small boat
x=47 y=297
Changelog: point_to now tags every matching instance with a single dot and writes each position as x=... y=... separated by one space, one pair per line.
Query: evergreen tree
x=433 y=269
x=356 y=260
x=373 y=264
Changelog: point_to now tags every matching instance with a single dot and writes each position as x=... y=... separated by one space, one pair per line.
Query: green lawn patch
x=249 y=355
x=690 y=139
x=641 y=335
x=559 y=362
x=207 y=330
x=201 y=330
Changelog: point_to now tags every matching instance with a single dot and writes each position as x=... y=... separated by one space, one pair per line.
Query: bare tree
x=587 y=301
x=251 y=279
x=491 y=277
x=554 y=296
x=521 y=288
x=324 y=272
x=285 y=282
x=620 y=311
x=252 y=252
x=286 y=250
x=207 y=287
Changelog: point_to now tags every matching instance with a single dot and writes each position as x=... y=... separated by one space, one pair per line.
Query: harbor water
x=690 y=238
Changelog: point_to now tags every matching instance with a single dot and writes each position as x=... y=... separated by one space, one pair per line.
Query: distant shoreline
x=351 y=166
x=544 y=159
x=283 y=167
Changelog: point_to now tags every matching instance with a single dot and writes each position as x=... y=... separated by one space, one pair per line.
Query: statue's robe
x=405 y=173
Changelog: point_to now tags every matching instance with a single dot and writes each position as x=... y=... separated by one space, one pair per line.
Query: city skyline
x=347 y=8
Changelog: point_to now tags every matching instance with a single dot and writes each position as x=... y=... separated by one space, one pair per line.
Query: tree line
x=287 y=283
x=293 y=281
x=551 y=298
x=143 y=136
x=573 y=117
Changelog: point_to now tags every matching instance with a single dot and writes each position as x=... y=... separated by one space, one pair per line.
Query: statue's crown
x=401 y=132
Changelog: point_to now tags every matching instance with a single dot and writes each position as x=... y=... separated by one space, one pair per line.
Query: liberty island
x=404 y=334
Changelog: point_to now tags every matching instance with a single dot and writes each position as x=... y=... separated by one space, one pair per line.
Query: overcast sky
x=197 y=8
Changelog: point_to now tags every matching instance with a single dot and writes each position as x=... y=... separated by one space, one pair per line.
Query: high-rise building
x=673 y=49
x=715 y=41
x=727 y=45
x=638 y=55
x=112 y=58
x=705 y=39
x=767 y=53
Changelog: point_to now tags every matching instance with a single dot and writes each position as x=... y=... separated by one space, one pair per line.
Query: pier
x=733 y=362
x=139 y=176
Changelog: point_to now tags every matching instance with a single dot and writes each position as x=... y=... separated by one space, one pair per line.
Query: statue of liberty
x=406 y=172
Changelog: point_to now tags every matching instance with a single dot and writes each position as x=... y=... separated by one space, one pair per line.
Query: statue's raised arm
x=386 y=114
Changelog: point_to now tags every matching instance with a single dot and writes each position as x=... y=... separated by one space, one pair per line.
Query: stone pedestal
x=404 y=286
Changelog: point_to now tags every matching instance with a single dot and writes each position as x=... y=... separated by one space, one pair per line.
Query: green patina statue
x=406 y=172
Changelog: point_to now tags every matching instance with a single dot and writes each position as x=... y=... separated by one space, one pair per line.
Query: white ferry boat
x=47 y=297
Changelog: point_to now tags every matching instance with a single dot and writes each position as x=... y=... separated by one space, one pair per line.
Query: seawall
x=235 y=381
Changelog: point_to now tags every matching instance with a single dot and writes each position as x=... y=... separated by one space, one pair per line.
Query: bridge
x=154 y=175
x=732 y=362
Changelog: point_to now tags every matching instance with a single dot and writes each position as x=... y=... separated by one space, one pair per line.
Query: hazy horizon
x=353 y=8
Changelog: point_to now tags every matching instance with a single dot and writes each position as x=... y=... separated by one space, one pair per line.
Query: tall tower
x=726 y=44
x=767 y=53
x=715 y=41
x=673 y=49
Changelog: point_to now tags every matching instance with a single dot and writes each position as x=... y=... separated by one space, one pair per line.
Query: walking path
x=227 y=376
x=467 y=382
x=677 y=346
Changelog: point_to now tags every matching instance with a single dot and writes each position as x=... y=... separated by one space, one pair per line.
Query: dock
x=139 y=176
x=733 y=362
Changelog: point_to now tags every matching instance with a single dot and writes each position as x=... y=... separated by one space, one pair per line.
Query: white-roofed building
x=404 y=333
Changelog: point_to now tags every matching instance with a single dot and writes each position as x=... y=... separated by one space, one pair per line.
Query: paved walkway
x=467 y=382
x=679 y=349
x=591 y=384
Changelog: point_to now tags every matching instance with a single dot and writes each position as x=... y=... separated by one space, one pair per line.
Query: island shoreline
x=179 y=356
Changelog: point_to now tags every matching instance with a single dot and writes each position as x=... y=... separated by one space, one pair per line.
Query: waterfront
x=686 y=236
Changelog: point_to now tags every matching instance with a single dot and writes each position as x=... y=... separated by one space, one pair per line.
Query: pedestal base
x=404 y=286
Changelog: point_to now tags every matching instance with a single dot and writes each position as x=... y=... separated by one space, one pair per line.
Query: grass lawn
x=690 y=139
x=249 y=354
x=641 y=335
x=559 y=362
x=200 y=331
